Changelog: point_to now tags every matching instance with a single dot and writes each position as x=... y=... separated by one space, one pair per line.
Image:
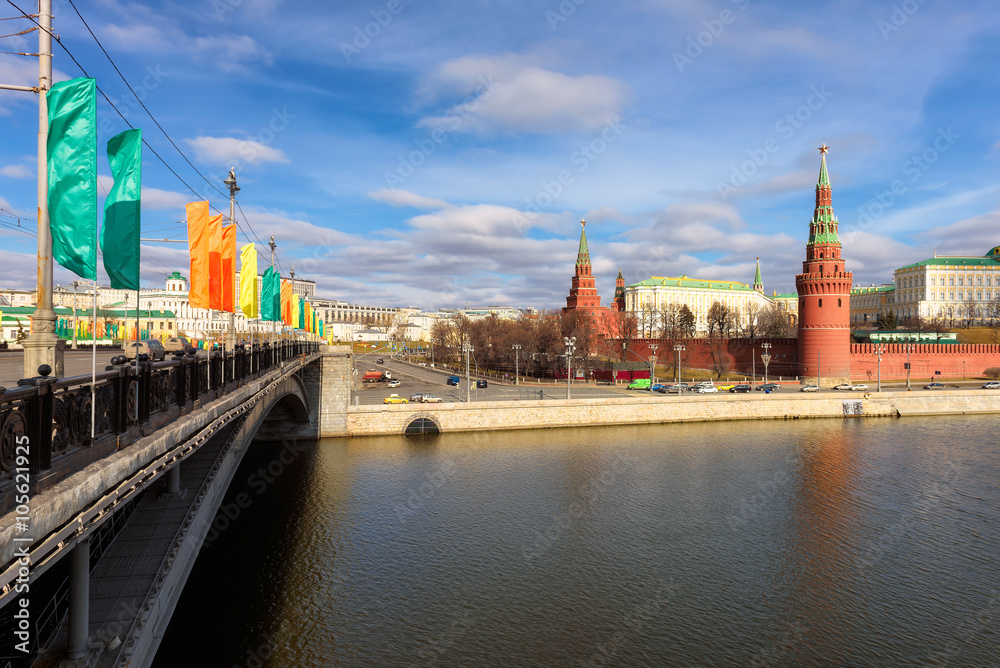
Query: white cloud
x=17 y=172
x=403 y=198
x=228 y=151
x=510 y=94
x=155 y=199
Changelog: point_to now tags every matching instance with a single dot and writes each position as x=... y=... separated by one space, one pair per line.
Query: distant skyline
x=432 y=154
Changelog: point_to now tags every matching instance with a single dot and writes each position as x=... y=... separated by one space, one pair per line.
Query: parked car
x=151 y=347
x=431 y=399
x=842 y=386
x=481 y=384
x=992 y=385
x=860 y=387
x=769 y=387
x=659 y=387
x=934 y=386
x=175 y=343
x=394 y=383
x=706 y=389
x=417 y=398
x=380 y=361
x=394 y=399
x=740 y=389
x=810 y=388
x=726 y=387
x=454 y=380
x=677 y=388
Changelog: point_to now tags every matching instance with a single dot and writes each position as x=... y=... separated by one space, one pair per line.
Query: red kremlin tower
x=583 y=290
x=824 y=288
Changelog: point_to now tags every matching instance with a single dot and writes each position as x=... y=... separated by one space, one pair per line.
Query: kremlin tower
x=583 y=290
x=824 y=288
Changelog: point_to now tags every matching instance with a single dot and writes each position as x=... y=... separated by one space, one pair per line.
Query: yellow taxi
x=394 y=399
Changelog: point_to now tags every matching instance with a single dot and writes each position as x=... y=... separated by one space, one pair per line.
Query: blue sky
x=405 y=152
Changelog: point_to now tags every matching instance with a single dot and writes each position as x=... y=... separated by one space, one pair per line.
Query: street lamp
x=570 y=344
x=467 y=348
x=679 y=349
x=516 y=348
x=652 y=366
x=765 y=358
x=907 y=347
x=879 y=351
x=75 y=283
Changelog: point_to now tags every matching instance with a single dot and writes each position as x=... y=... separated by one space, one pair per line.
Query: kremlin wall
x=823 y=350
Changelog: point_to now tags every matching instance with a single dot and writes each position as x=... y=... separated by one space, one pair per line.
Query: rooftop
x=685 y=282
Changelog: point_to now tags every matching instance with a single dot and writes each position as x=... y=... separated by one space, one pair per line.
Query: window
x=987 y=281
x=961 y=280
x=979 y=296
x=979 y=280
x=942 y=295
x=839 y=304
x=951 y=295
x=933 y=281
x=951 y=280
x=821 y=303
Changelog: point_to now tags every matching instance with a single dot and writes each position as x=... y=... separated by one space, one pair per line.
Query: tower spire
x=583 y=253
x=758 y=282
x=823 y=227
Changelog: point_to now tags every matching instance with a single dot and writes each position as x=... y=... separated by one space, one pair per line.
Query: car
x=677 y=388
x=740 y=389
x=481 y=384
x=175 y=343
x=659 y=387
x=394 y=399
x=934 y=386
x=726 y=387
x=431 y=399
x=417 y=398
x=453 y=380
x=809 y=388
x=394 y=383
x=639 y=384
x=860 y=387
x=380 y=361
x=992 y=385
x=150 y=347
x=842 y=386
x=769 y=387
x=706 y=389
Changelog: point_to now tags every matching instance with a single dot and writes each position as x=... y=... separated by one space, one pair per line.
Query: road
x=416 y=379
x=75 y=362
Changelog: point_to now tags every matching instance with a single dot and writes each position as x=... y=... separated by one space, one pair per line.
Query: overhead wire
x=31 y=17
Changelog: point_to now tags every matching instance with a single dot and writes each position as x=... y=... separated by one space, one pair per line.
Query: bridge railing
x=50 y=428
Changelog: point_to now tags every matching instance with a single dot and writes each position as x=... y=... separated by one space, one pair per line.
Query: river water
x=861 y=543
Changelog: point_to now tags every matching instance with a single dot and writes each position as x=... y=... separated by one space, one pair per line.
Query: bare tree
x=775 y=323
x=750 y=324
x=970 y=306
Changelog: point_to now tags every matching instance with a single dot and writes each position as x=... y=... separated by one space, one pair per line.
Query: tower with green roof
x=824 y=289
x=758 y=282
x=583 y=289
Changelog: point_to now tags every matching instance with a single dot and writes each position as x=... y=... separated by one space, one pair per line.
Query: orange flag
x=198 y=247
x=215 y=262
x=286 y=302
x=229 y=268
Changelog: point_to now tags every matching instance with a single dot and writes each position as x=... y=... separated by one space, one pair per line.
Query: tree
x=720 y=319
x=670 y=321
x=687 y=321
x=750 y=323
x=887 y=321
x=775 y=323
x=717 y=349
x=970 y=306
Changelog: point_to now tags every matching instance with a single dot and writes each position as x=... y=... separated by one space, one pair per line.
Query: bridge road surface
x=75 y=363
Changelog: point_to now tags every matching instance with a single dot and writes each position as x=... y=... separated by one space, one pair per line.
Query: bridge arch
x=284 y=414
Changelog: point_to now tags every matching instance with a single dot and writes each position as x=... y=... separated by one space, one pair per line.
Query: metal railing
x=131 y=400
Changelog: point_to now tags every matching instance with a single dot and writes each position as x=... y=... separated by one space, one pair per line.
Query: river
x=861 y=543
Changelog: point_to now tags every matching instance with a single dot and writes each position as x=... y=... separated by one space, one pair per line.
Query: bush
x=993 y=373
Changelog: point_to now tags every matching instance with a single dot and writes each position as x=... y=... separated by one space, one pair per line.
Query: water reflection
x=775 y=544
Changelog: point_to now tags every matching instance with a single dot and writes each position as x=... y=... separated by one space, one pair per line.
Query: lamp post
x=516 y=348
x=907 y=346
x=467 y=348
x=570 y=344
x=233 y=189
x=765 y=358
x=75 y=283
x=652 y=367
x=879 y=351
x=678 y=348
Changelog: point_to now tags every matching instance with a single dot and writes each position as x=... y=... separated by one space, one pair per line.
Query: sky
x=442 y=153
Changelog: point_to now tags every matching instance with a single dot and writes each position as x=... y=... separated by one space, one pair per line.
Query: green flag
x=72 y=167
x=270 y=297
x=120 y=234
x=302 y=313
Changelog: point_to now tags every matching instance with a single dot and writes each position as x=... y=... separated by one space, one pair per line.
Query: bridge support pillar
x=79 y=600
x=174 y=479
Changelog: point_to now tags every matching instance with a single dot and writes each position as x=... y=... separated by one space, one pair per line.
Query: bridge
x=109 y=486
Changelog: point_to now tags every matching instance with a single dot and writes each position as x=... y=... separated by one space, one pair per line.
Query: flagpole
x=93 y=367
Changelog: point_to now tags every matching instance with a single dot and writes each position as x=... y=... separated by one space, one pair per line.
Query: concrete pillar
x=79 y=601
x=174 y=479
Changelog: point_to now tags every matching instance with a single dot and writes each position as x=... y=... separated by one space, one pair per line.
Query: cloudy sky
x=438 y=152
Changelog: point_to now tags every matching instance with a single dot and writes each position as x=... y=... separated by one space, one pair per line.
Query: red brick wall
x=954 y=361
x=737 y=353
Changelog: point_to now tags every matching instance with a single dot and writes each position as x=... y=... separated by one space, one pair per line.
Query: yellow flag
x=249 y=297
x=295 y=311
